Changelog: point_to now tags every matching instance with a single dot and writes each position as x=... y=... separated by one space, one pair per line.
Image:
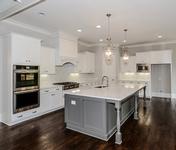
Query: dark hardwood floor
x=155 y=130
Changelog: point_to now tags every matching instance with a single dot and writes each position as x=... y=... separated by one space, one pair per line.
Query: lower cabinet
x=18 y=117
x=50 y=99
x=91 y=116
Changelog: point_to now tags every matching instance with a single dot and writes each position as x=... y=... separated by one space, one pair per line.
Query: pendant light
x=124 y=47
x=109 y=47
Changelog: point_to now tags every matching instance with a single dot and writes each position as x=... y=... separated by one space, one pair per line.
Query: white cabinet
x=51 y=99
x=128 y=66
x=25 y=50
x=86 y=62
x=67 y=49
x=161 y=57
x=47 y=60
x=19 y=117
x=143 y=58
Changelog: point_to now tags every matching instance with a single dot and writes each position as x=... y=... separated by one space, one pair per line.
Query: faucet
x=107 y=80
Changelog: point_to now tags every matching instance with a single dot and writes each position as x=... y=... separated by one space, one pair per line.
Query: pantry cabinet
x=25 y=50
x=47 y=60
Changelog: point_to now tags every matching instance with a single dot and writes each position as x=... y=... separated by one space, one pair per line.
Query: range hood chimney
x=9 y=8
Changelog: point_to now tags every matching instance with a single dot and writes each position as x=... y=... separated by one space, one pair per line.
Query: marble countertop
x=116 y=92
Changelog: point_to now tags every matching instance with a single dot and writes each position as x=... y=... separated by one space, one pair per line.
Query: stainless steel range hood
x=10 y=8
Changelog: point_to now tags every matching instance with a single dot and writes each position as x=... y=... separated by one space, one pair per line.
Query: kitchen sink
x=101 y=86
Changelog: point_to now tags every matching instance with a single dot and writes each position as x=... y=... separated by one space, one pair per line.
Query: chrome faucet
x=107 y=80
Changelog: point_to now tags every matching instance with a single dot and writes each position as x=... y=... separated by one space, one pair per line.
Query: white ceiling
x=145 y=19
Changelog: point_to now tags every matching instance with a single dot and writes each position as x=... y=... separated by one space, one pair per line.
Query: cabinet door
x=45 y=101
x=143 y=58
x=74 y=110
x=68 y=48
x=161 y=57
x=25 y=50
x=47 y=61
x=91 y=62
x=86 y=62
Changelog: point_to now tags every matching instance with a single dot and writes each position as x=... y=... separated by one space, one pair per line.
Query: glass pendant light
x=109 y=47
x=125 y=48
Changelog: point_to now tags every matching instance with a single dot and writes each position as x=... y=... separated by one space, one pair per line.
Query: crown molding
x=26 y=26
x=151 y=44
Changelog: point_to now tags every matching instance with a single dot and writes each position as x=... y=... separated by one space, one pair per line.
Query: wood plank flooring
x=155 y=130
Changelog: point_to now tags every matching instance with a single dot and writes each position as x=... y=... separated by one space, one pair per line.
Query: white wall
x=1 y=49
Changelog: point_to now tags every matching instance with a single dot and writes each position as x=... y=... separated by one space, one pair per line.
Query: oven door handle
x=27 y=91
x=26 y=71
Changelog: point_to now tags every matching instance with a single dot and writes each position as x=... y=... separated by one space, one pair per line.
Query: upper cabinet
x=128 y=66
x=161 y=57
x=47 y=60
x=154 y=57
x=67 y=49
x=86 y=62
x=25 y=50
x=143 y=58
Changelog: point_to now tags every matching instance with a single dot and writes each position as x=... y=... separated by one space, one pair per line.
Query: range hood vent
x=9 y=8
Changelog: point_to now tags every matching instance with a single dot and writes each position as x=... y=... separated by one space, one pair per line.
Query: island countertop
x=116 y=92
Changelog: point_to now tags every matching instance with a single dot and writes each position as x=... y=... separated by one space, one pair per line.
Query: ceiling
x=145 y=19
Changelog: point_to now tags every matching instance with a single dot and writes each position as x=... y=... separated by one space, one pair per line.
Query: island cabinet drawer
x=75 y=106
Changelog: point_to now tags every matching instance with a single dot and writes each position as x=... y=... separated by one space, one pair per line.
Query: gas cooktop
x=68 y=85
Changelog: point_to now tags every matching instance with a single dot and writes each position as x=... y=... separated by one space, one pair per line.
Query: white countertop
x=116 y=92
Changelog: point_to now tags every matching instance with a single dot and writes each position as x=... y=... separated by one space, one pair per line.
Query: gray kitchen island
x=100 y=112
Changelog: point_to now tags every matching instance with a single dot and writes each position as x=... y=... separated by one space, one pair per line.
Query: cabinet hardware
x=34 y=112
x=47 y=91
x=20 y=116
x=53 y=94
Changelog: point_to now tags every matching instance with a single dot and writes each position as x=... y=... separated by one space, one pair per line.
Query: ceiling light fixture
x=160 y=36
x=109 y=47
x=18 y=1
x=98 y=26
x=124 y=48
x=79 y=30
x=101 y=40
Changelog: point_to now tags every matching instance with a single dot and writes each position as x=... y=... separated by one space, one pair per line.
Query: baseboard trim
x=164 y=95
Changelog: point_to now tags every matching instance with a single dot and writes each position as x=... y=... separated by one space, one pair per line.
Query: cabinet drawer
x=24 y=115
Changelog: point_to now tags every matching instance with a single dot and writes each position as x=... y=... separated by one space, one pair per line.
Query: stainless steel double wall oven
x=25 y=88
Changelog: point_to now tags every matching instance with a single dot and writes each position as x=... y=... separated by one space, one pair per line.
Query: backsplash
x=134 y=76
x=66 y=73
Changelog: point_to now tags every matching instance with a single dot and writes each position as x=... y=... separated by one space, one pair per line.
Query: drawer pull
x=47 y=91
x=34 y=112
x=20 y=116
x=53 y=94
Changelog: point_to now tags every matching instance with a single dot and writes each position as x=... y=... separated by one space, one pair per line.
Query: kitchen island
x=101 y=111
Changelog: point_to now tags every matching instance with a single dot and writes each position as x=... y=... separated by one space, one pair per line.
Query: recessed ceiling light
x=98 y=26
x=18 y=1
x=79 y=30
x=42 y=13
x=160 y=36
x=101 y=40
